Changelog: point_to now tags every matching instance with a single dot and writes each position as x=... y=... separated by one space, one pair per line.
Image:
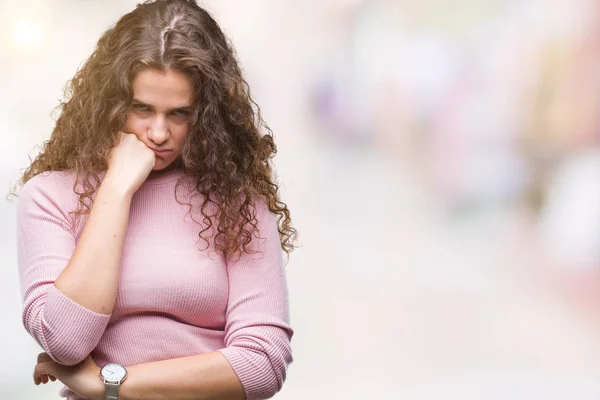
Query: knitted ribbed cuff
x=70 y=330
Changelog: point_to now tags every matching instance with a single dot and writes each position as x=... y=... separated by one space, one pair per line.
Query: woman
x=150 y=226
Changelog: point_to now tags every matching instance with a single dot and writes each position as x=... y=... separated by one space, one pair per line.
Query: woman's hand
x=43 y=378
x=82 y=378
x=129 y=163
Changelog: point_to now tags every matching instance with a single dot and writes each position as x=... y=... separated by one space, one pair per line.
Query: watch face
x=113 y=372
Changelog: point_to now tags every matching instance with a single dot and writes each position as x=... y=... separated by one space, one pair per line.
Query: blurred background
x=441 y=160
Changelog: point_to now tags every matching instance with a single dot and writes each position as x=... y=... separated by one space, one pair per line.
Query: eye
x=180 y=116
x=181 y=113
x=141 y=107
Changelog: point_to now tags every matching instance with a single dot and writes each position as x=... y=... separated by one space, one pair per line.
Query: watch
x=112 y=375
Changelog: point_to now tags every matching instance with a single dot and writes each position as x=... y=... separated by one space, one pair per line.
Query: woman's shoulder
x=48 y=196
x=51 y=181
x=50 y=185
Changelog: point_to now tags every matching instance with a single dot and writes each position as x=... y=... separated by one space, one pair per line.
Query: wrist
x=98 y=387
x=111 y=187
x=112 y=376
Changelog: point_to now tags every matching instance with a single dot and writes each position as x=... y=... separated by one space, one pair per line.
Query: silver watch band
x=111 y=391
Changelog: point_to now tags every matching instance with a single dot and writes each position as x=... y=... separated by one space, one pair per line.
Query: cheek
x=134 y=125
x=179 y=134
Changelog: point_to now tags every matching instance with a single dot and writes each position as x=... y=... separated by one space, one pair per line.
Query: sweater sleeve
x=66 y=331
x=257 y=331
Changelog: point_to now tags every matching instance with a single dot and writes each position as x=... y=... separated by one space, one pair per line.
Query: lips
x=161 y=152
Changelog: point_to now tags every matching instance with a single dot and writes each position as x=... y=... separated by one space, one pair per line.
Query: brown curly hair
x=229 y=147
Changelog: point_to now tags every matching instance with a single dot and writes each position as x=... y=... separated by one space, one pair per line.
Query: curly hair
x=229 y=148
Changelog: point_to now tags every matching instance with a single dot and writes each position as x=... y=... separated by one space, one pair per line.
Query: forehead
x=162 y=88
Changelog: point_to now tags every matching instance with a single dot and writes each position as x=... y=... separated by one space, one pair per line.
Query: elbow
x=275 y=372
x=67 y=343
x=67 y=357
x=63 y=352
x=262 y=370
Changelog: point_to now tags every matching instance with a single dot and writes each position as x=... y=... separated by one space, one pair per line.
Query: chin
x=160 y=165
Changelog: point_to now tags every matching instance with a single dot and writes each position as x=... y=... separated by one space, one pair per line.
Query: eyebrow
x=180 y=108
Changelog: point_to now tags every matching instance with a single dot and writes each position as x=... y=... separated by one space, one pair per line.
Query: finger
x=41 y=370
x=37 y=377
x=44 y=378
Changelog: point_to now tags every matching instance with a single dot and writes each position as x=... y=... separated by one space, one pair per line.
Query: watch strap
x=111 y=391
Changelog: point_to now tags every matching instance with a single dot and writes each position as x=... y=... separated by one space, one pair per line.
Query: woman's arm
x=66 y=330
x=202 y=377
x=69 y=288
x=91 y=277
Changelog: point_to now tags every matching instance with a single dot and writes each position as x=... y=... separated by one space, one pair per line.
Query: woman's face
x=160 y=112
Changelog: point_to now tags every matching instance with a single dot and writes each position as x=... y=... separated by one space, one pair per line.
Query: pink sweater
x=174 y=299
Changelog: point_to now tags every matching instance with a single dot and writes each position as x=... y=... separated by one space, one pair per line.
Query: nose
x=158 y=131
